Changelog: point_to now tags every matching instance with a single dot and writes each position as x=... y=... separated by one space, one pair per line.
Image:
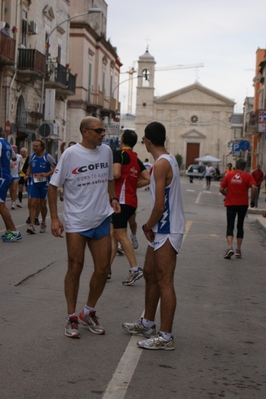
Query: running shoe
x=43 y=228
x=28 y=221
x=120 y=249
x=139 y=329
x=134 y=241
x=229 y=253
x=133 y=276
x=90 y=320
x=13 y=205
x=31 y=230
x=12 y=236
x=72 y=327
x=238 y=253
x=5 y=233
x=157 y=342
x=37 y=222
x=19 y=205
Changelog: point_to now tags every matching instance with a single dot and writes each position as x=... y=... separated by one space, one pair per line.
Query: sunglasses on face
x=99 y=130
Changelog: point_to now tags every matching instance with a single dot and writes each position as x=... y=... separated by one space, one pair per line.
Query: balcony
x=7 y=50
x=31 y=64
x=108 y=105
x=58 y=77
x=27 y=122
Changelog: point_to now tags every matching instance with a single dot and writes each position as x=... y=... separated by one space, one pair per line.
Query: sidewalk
x=260 y=211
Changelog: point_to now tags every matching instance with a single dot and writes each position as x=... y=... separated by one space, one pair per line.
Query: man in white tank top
x=164 y=230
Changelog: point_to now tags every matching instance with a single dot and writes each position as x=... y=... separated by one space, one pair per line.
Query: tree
x=179 y=160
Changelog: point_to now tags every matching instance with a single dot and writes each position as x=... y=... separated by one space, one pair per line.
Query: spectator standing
x=130 y=174
x=5 y=29
x=6 y=154
x=15 y=168
x=41 y=167
x=235 y=187
x=164 y=231
x=258 y=177
x=86 y=171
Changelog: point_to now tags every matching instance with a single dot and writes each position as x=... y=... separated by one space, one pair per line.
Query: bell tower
x=145 y=91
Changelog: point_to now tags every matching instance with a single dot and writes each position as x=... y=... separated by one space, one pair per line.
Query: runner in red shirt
x=234 y=187
x=129 y=174
x=258 y=177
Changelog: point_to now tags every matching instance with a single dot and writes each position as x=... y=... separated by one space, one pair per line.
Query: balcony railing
x=32 y=59
x=72 y=83
x=7 y=49
x=59 y=78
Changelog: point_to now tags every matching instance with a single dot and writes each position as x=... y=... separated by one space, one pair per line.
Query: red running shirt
x=237 y=184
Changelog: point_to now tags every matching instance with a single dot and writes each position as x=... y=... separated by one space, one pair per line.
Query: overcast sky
x=222 y=35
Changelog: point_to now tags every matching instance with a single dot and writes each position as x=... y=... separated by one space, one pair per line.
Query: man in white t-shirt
x=86 y=171
x=209 y=171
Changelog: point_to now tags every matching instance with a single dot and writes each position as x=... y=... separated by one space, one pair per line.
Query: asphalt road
x=219 y=327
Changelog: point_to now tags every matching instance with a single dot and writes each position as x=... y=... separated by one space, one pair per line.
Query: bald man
x=86 y=171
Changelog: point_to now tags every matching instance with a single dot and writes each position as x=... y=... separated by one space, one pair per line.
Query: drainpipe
x=16 y=55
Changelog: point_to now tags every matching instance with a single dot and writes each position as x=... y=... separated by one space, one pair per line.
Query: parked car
x=196 y=171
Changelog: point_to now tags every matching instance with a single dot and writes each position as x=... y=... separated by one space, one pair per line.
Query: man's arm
x=144 y=179
x=160 y=171
x=117 y=170
x=223 y=190
x=112 y=196
x=57 y=226
x=253 y=195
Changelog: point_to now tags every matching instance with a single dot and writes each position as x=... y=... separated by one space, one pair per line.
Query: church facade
x=196 y=118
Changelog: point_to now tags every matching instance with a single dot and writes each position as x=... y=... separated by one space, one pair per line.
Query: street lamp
x=130 y=84
x=90 y=11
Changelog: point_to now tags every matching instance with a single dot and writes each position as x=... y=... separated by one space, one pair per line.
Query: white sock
x=87 y=309
x=147 y=323
x=166 y=336
x=134 y=269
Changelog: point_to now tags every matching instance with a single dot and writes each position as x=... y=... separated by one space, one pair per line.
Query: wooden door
x=192 y=153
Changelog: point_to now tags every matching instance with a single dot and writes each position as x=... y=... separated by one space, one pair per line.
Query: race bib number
x=39 y=179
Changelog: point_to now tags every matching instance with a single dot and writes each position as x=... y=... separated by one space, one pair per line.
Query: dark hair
x=229 y=165
x=129 y=137
x=71 y=143
x=241 y=164
x=155 y=132
x=41 y=142
x=7 y=25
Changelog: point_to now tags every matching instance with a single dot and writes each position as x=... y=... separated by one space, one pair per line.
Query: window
x=24 y=28
x=103 y=83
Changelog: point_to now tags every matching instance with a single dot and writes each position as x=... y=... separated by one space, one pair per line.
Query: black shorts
x=22 y=181
x=120 y=220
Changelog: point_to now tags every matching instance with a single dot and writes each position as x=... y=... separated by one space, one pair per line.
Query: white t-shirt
x=85 y=174
x=209 y=170
x=172 y=220
x=15 y=165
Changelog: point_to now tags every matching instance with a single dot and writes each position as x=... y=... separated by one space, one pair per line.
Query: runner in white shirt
x=86 y=171
x=15 y=167
x=209 y=171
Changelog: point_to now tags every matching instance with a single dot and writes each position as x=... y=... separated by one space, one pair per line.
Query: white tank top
x=172 y=220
